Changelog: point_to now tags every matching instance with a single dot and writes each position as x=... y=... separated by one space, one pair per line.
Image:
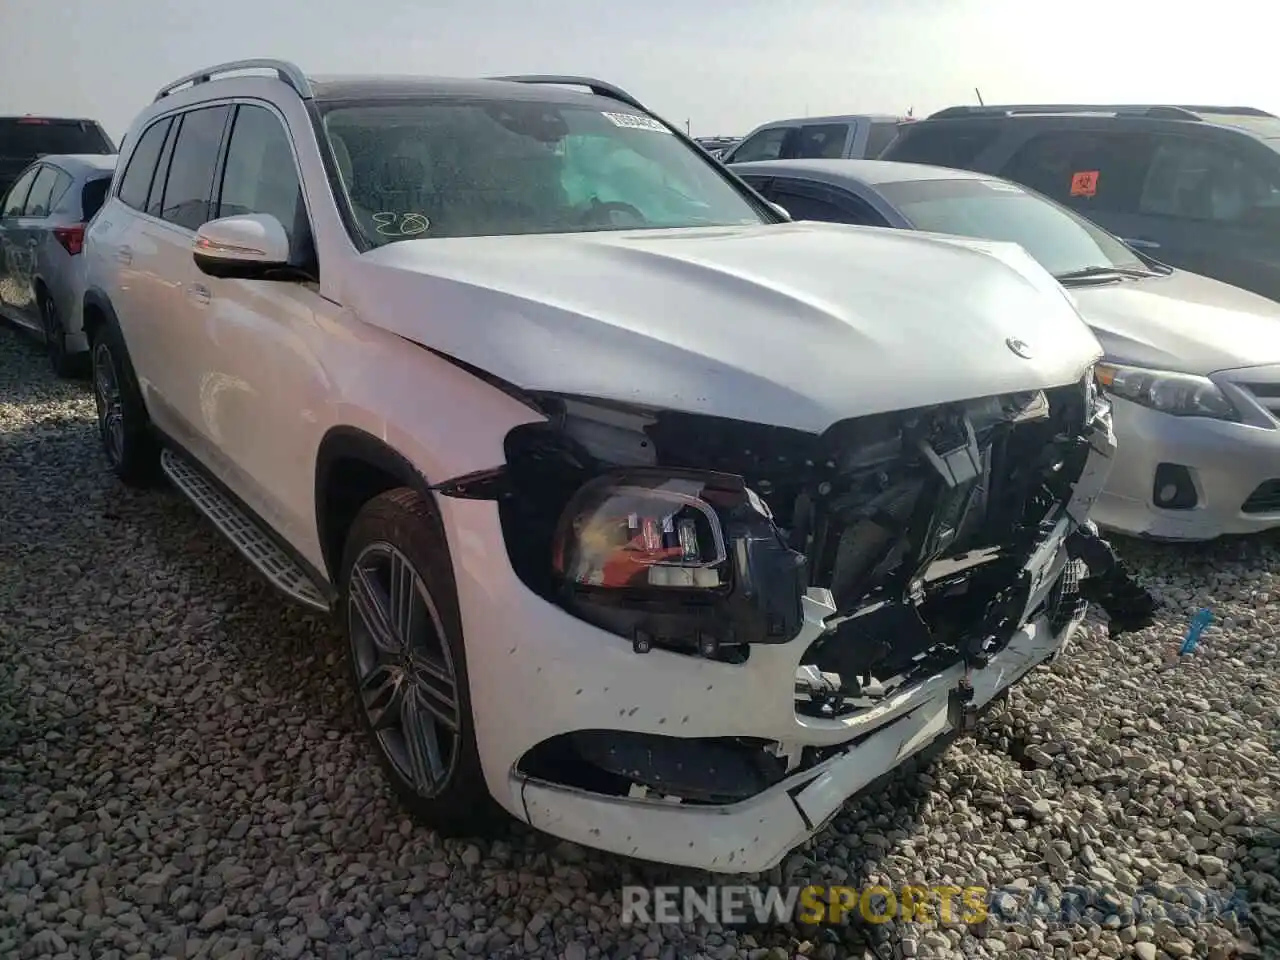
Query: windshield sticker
x=633 y=121
x=401 y=224
x=1084 y=183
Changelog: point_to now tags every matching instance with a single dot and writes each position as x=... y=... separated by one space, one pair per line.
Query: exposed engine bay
x=920 y=523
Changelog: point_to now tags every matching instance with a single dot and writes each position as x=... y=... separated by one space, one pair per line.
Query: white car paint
x=1192 y=324
x=796 y=325
x=699 y=311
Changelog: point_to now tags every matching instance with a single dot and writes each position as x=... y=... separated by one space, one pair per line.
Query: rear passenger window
x=1086 y=170
x=189 y=186
x=261 y=175
x=942 y=143
x=822 y=141
x=142 y=164
x=765 y=145
x=1198 y=180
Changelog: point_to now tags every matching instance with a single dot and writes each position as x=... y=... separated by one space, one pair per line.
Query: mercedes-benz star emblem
x=1018 y=347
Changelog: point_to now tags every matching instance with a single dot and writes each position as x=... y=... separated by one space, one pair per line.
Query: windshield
x=473 y=168
x=994 y=210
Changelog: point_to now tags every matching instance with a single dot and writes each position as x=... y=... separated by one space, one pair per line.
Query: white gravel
x=180 y=775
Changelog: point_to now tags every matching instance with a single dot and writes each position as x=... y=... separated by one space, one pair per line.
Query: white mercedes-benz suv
x=653 y=519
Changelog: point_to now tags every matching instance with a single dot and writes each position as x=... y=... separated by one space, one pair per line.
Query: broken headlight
x=677 y=559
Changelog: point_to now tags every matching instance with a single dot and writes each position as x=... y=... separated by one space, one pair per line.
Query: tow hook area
x=961 y=713
x=1128 y=605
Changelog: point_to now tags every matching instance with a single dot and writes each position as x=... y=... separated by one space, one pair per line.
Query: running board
x=275 y=564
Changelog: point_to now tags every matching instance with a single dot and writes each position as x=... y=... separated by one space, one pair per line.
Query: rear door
x=10 y=227
x=171 y=293
x=119 y=258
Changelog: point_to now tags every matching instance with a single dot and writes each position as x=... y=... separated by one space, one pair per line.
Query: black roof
x=358 y=87
x=1251 y=120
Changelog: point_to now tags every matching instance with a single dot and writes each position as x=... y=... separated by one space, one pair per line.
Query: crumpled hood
x=1182 y=322
x=797 y=325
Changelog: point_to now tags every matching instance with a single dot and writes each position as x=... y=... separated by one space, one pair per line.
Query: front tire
x=408 y=666
x=123 y=425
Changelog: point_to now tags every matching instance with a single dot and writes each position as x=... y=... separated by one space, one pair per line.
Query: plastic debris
x=1201 y=620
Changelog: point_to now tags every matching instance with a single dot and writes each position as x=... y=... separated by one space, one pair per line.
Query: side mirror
x=246 y=247
x=781 y=211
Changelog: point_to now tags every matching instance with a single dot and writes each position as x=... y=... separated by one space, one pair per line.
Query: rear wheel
x=55 y=341
x=123 y=425
x=408 y=666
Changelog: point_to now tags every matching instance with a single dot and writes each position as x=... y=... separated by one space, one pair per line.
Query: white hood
x=797 y=325
x=1182 y=322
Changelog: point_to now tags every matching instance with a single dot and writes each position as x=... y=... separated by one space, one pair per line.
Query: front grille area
x=1266 y=499
x=1262 y=384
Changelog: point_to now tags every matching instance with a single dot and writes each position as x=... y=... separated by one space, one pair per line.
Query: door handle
x=199 y=293
x=1141 y=243
x=124 y=255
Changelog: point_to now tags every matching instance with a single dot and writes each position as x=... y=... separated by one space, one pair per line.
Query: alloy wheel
x=405 y=674
x=106 y=395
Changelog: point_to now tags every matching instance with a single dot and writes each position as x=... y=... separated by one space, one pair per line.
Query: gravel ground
x=180 y=775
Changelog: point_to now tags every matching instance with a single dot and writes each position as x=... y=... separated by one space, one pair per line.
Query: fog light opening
x=1173 y=488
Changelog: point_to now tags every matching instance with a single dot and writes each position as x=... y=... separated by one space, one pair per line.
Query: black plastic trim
x=343 y=443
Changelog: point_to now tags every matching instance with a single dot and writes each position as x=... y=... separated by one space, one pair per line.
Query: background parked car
x=42 y=222
x=1192 y=364
x=818 y=137
x=24 y=140
x=1198 y=187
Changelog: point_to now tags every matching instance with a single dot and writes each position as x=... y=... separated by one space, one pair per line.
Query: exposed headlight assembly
x=680 y=559
x=1177 y=394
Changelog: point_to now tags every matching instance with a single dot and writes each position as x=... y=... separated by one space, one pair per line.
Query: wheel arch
x=352 y=467
x=97 y=311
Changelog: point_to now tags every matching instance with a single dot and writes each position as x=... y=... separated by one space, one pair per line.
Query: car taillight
x=36 y=120
x=71 y=238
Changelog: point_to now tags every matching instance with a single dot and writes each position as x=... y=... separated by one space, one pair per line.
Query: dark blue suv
x=1197 y=187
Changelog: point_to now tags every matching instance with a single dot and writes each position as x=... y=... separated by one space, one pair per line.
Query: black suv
x=1196 y=187
x=24 y=139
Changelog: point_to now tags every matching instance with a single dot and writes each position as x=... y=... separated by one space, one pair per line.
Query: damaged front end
x=937 y=533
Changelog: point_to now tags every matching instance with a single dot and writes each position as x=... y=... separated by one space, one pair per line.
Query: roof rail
x=286 y=71
x=1234 y=111
x=1152 y=111
x=598 y=87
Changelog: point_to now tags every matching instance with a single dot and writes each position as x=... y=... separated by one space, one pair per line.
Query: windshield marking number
x=633 y=121
x=401 y=225
x=1084 y=183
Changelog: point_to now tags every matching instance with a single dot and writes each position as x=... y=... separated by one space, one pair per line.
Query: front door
x=260 y=383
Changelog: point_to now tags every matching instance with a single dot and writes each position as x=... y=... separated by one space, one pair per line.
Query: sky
x=724 y=66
